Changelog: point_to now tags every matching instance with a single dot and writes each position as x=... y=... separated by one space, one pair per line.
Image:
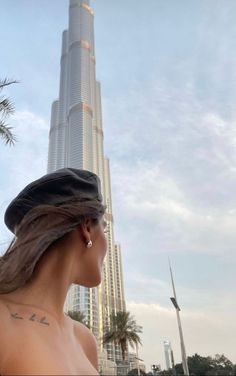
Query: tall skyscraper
x=76 y=140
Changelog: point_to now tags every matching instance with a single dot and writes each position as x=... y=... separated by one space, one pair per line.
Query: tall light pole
x=174 y=301
x=138 y=359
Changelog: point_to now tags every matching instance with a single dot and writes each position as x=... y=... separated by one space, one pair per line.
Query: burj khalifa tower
x=76 y=140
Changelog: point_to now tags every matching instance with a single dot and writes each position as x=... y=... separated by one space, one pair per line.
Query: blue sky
x=167 y=71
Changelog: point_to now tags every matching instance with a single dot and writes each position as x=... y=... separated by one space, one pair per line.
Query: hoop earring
x=89 y=244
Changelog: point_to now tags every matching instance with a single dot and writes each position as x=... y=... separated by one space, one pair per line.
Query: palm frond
x=133 y=339
x=6 y=106
x=7 y=82
x=6 y=134
x=109 y=336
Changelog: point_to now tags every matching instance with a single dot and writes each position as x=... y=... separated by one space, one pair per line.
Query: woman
x=59 y=240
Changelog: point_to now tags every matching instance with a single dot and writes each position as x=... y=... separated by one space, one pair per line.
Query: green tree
x=78 y=316
x=123 y=331
x=208 y=366
x=179 y=369
x=234 y=370
x=6 y=109
x=165 y=373
x=135 y=372
x=199 y=365
x=221 y=366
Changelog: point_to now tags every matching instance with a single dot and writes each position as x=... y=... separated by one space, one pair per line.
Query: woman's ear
x=86 y=230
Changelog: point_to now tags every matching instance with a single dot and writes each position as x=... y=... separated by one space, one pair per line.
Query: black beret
x=58 y=187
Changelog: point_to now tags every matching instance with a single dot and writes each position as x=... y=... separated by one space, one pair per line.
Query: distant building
x=106 y=367
x=134 y=362
x=169 y=356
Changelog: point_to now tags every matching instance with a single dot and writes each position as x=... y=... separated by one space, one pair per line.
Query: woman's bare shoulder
x=4 y=315
x=5 y=320
x=84 y=334
x=5 y=331
x=87 y=341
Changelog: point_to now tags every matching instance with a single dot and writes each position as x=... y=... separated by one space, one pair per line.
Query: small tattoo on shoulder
x=16 y=316
x=33 y=317
x=42 y=321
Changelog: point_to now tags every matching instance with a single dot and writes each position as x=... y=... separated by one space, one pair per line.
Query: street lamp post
x=137 y=359
x=182 y=346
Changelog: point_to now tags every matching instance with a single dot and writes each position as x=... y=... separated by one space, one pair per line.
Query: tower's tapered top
x=79 y=2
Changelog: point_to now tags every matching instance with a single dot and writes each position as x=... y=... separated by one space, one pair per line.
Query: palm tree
x=78 y=316
x=6 y=109
x=123 y=331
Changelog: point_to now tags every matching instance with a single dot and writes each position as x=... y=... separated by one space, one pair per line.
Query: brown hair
x=41 y=227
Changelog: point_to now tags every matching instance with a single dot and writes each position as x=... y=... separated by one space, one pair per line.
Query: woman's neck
x=48 y=288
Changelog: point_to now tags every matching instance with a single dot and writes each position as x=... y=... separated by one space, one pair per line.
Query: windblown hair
x=40 y=228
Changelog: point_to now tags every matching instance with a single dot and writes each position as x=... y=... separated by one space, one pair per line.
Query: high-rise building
x=169 y=356
x=76 y=140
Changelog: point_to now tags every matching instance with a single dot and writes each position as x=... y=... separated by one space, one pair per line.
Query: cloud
x=173 y=166
x=149 y=201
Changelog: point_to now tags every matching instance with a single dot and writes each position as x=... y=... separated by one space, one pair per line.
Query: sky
x=168 y=77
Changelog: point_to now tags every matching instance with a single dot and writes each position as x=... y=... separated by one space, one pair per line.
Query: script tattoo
x=16 y=316
x=42 y=321
x=32 y=318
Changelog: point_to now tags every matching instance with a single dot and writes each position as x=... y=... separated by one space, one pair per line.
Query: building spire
x=79 y=2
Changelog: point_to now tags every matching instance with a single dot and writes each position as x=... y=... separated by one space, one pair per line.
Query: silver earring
x=89 y=244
